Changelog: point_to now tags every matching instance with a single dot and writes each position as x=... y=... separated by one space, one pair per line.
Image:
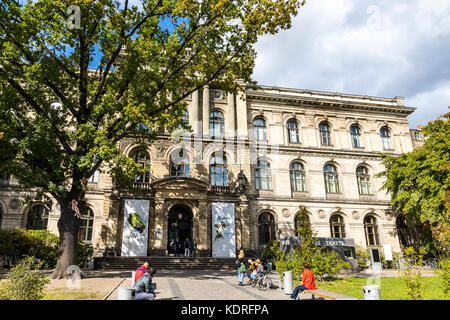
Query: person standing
x=187 y=247
x=172 y=247
x=177 y=247
x=193 y=248
x=307 y=282
x=242 y=270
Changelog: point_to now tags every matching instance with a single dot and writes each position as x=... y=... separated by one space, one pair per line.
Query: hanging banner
x=135 y=228
x=223 y=231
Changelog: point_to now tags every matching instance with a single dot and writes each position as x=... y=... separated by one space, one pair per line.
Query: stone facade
x=280 y=147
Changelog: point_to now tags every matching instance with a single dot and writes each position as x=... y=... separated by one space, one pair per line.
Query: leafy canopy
x=419 y=181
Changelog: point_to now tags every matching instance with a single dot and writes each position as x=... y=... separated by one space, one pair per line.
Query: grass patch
x=391 y=288
x=64 y=294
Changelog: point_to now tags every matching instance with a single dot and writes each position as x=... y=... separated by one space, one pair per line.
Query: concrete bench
x=327 y=295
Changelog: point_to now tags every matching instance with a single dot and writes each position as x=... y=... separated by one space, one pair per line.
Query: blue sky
x=381 y=48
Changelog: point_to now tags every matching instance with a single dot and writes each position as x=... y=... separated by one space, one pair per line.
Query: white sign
x=223 y=231
x=135 y=228
x=387 y=251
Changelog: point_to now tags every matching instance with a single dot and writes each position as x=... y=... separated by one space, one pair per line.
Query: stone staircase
x=164 y=263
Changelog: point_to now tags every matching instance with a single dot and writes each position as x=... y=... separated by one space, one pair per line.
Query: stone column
x=193 y=113
x=203 y=241
x=230 y=126
x=205 y=111
x=241 y=109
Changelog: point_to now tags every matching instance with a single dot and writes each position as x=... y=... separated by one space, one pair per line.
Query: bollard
x=125 y=293
x=371 y=292
x=287 y=282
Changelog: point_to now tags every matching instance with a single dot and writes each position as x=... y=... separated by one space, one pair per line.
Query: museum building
x=254 y=157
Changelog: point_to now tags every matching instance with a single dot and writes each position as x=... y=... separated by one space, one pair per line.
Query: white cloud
x=389 y=49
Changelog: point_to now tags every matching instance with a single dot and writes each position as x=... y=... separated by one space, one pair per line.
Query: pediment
x=181 y=183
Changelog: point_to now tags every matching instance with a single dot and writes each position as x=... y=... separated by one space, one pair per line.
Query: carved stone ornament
x=14 y=204
x=321 y=214
x=388 y=216
x=355 y=215
x=286 y=213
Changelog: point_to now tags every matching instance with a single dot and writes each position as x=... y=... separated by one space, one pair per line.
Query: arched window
x=218 y=170
x=293 y=131
x=363 y=177
x=325 y=134
x=37 y=217
x=298 y=180
x=179 y=160
x=216 y=124
x=331 y=179
x=259 y=129
x=142 y=158
x=337 y=226
x=371 y=230
x=1 y=216
x=386 y=138
x=356 y=136
x=266 y=228
x=86 y=225
x=263 y=176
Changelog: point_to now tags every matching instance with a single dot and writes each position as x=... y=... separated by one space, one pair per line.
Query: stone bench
x=327 y=295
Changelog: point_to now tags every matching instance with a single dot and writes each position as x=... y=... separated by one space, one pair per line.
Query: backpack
x=242 y=268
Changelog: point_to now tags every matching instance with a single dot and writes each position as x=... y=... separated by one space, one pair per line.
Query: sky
x=382 y=48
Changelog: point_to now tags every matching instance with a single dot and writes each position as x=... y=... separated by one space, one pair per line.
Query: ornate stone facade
x=283 y=141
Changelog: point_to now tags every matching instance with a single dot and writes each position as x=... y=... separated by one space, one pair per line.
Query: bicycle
x=264 y=281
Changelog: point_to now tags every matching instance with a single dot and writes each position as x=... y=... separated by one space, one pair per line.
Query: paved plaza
x=178 y=285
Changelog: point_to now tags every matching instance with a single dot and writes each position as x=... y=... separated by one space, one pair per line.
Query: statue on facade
x=241 y=183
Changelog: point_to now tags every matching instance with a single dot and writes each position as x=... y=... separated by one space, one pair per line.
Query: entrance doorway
x=179 y=226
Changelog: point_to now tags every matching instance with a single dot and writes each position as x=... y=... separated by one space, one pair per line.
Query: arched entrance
x=179 y=225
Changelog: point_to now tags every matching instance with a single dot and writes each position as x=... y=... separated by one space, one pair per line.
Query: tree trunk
x=68 y=225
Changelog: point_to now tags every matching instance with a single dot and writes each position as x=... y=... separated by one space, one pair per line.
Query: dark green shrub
x=271 y=250
x=41 y=244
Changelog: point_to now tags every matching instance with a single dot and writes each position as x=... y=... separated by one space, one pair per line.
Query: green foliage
x=271 y=249
x=444 y=275
x=411 y=274
x=362 y=257
x=419 y=182
x=324 y=264
x=23 y=282
x=41 y=244
x=328 y=264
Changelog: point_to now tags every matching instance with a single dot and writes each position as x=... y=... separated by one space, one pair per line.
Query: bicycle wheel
x=255 y=281
x=265 y=283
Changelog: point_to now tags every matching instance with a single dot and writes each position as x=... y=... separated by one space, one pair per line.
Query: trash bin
x=371 y=292
x=125 y=293
x=287 y=282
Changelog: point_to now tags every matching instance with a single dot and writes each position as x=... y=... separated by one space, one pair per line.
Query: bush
x=362 y=257
x=444 y=274
x=411 y=275
x=41 y=244
x=271 y=250
x=328 y=264
x=24 y=283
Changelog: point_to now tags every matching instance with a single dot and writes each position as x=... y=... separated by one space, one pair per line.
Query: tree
x=419 y=181
x=77 y=76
